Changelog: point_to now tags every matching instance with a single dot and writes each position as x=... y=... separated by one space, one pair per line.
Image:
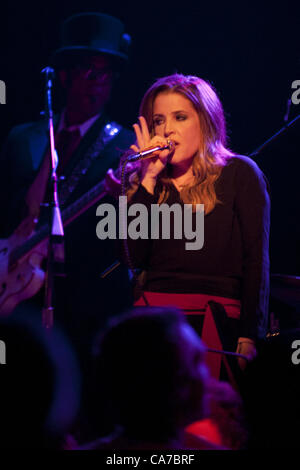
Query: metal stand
x=277 y=134
x=56 y=231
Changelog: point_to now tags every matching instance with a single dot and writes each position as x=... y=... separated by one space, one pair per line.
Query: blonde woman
x=224 y=286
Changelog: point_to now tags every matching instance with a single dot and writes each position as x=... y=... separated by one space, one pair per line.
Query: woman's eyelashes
x=181 y=117
x=158 y=121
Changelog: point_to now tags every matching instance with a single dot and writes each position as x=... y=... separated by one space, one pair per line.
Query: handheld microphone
x=149 y=152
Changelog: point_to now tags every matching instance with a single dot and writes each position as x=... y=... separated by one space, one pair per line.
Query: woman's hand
x=246 y=346
x=150 y=167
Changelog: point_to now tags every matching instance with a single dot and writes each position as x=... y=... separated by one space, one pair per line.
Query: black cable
x=125 y=244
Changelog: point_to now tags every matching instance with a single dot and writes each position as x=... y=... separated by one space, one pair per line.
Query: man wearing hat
x=93 y=51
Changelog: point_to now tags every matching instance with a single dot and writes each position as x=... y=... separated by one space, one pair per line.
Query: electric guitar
x=21 y=276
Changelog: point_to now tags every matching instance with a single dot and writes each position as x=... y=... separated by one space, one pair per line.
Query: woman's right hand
x=150 y=167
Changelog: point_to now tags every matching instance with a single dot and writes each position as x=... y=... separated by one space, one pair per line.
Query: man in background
x=94 y=49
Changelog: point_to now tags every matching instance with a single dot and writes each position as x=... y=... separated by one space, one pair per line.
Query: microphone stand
x=56 y=231
x=277 y=134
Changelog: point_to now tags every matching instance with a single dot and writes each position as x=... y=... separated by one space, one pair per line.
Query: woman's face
x=175 y=118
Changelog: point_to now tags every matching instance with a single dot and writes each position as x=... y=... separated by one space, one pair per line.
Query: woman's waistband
x=190 y=303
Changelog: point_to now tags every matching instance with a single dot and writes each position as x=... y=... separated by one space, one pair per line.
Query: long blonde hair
x=213 y=154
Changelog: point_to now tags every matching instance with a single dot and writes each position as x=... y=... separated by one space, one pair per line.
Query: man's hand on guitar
x=26 y=227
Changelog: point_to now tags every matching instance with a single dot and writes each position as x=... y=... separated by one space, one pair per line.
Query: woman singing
x=224 y=286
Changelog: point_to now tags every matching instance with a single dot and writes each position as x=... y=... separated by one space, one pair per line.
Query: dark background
x=250 y=51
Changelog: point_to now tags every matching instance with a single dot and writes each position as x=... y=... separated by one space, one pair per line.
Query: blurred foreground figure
x=151 y=367
x=39 y=386
x=225 y=424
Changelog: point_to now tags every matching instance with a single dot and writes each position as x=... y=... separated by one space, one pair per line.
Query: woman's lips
x=174 y=144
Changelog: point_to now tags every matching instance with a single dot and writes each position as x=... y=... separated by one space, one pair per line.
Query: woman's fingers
x=144 y=128
x=144 y=140
x=142 y=133
x=164 y=155
x=139 y=136
x=134 y=148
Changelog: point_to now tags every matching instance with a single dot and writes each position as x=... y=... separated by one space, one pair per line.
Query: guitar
x=21 y=276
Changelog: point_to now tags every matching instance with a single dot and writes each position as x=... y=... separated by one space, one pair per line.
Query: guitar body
x=21 y=280
x=21 y=255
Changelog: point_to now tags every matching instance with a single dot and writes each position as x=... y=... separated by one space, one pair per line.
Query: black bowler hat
x=92 y=33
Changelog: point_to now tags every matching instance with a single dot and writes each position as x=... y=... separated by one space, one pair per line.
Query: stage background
x=250 y=51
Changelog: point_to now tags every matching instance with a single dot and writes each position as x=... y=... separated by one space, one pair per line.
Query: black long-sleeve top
x=234 y=259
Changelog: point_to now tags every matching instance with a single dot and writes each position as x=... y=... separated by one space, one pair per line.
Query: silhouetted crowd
x=150 y=388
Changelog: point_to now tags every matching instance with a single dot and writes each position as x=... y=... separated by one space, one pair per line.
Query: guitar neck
x=68 y=215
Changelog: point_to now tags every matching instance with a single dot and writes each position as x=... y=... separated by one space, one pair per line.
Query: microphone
x=149 y=152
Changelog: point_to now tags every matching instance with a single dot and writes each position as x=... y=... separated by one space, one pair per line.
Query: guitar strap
x=36 y=193
x=109 y=131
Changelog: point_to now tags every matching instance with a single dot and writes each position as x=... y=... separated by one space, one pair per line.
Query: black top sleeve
x=253 y=211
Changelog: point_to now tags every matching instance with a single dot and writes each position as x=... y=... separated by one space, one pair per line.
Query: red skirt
x=198 y=304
